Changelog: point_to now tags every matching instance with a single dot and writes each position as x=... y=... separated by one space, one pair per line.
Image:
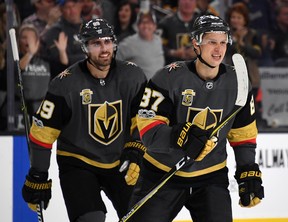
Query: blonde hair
x=29 y=27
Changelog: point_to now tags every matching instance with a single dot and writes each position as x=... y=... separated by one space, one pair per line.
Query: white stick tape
x=14 y=44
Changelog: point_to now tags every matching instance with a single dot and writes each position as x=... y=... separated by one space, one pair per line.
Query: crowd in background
x=149 y=33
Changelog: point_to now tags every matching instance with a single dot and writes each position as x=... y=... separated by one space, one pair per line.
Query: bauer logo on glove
x=249 y=180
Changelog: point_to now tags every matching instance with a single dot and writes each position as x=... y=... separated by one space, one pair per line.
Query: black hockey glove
x=37 y=189
x=193 y=140
x=249 y=180
x=131 y=160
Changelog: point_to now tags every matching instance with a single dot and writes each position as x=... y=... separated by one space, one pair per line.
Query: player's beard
x=102 y=63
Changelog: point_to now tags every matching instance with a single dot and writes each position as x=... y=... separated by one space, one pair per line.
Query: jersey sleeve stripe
x=250 y=141
x=144 y=128
x=45 y=145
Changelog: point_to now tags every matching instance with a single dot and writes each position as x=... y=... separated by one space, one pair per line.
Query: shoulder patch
x=172 y=66
x=131 y=63
x=63 y=74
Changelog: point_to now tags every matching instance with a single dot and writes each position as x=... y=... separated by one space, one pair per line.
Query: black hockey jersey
x=175 y=34
x=90 y=118
x=176 y=94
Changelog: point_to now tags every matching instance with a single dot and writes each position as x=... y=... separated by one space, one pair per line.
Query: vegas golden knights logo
x=105 y=121
x=204 y=118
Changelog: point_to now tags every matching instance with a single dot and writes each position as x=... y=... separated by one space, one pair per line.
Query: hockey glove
x=249 y=180
x=193 y=140
x=37 y=189
x=131 y=160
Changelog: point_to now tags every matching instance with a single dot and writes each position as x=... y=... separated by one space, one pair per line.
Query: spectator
x=25 y=8
x=68 y=25
x=261 y=19
x=221 y=6
x=143 y=48
x=247 y=43
x=34 y=70
x=46 y=14
x=204 y=8
x=260 y=12
x=280 y=32
x=175 y=31
x=91 y=9
x=125 y=19
x=15 y=22
x=109 y=8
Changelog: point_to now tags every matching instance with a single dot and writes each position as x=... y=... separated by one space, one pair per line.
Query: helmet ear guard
x=84 y=48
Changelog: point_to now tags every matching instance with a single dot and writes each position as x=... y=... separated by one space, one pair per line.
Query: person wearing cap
x=60 y=40
x=46 y=13
x=182 y=104
x=90 y=109
x=145 y=47
x=175 y=32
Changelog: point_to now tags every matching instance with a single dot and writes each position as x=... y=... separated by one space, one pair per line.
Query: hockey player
x=90 y=110
x=181 y=105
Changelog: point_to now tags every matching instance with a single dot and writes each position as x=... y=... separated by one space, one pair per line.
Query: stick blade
x=242 y=79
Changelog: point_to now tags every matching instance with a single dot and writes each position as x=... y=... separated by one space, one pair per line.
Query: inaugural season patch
x=105 y=121
x=187 y=97
x=86 y=95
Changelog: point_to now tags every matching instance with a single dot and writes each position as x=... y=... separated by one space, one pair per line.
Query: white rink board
x=275 y=180
x=274 y=175
x=272 y=151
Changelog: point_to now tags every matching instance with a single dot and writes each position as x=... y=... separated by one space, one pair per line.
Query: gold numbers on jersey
x=146 y=99
x=46 y=109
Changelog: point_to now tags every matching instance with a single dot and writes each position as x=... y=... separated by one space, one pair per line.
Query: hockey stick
x=24 y=107
x=242 y=93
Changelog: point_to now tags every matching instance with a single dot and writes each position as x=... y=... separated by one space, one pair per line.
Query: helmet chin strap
x=201 y=59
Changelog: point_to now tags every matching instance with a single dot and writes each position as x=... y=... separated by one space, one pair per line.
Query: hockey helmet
x=209 y=23
x=96 y=28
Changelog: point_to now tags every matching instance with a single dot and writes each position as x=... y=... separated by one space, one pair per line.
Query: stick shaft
x=12 y=34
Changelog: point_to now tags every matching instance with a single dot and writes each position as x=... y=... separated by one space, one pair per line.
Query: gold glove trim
x=38 y=186
x=253 y=202
x=132 y=174
x=135 y=145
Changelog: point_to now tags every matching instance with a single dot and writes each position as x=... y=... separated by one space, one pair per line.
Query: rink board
x=272 y=154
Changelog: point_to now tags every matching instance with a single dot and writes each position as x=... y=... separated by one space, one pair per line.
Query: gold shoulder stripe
x=244 y=133
x=144 y=122
x=44 y=134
